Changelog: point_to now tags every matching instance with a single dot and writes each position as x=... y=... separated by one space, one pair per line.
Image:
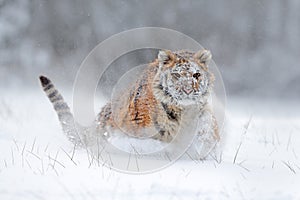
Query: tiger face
x=184 y=76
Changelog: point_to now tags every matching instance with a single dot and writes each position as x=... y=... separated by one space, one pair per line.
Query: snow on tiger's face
x=184 y=76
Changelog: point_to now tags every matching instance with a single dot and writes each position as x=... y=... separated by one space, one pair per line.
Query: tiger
x=173 y=82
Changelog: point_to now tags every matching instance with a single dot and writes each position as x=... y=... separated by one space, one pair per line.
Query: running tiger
x=174 y=81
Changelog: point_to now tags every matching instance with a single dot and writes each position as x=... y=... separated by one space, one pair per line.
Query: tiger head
x=183 y=77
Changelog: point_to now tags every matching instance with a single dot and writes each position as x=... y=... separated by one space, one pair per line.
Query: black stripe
x=53 y=94
x=65 y=116
x=137 y=96
x=48 y=87
x=170 y=113
x=155 y=121
x=160 y=87
x=60 y=106
x=56 y=98
x=159 y=129
x=162 y=132
x=143 y=81
x=44 y=80
x=167 y=93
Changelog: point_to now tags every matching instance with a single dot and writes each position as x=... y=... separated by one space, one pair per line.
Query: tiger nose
x=187 y=90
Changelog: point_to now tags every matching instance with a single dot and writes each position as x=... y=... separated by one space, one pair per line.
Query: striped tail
x=74 y=132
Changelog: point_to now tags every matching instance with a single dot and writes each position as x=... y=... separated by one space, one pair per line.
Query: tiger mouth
x=187 y=90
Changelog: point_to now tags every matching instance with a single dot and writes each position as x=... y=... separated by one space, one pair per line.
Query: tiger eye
x=196 y=75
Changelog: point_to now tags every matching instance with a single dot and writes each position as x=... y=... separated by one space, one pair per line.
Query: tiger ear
x=203 y=57
x=166 y=57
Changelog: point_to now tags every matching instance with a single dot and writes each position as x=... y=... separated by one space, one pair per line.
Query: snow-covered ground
x=260 y=158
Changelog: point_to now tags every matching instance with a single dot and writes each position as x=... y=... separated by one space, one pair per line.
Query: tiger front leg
x=207 y=135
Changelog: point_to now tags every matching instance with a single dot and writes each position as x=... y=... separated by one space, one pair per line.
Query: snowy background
x=256 y=46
